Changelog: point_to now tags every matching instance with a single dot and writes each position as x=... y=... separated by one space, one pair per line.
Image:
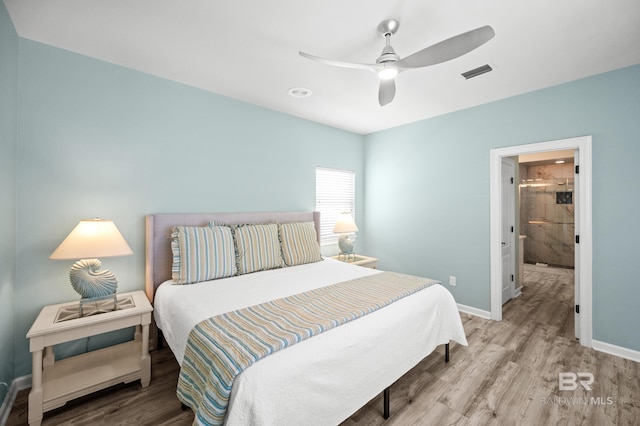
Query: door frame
x=584 y=228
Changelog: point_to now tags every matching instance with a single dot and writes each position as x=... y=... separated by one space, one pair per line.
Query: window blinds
x=335 y=194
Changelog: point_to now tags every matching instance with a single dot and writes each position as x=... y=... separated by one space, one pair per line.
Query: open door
x=576 y=217
x=508 y=240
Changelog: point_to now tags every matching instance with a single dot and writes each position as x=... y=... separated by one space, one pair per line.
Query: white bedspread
x=321 y=380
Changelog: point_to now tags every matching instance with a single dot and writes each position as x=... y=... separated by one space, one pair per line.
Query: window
x=335 y=194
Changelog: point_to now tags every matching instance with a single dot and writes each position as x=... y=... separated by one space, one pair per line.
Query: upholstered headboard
x=159 y=227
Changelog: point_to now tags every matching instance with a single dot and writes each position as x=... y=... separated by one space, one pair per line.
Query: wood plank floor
x=508 y=375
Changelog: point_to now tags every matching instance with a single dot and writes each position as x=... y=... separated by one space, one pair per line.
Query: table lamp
x=89 y=240
x=345 y=225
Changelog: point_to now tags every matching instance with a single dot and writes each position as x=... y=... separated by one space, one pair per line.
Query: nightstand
x=365 y=261
x=54 y=383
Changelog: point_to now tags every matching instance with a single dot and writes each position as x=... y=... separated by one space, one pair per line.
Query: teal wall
x=8 y=141
x=97 y=139
x=427 y=198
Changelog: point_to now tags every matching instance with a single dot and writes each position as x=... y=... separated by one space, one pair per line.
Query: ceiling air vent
x=477 y=71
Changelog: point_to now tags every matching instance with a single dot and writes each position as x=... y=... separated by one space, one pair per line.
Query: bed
x=320 y=380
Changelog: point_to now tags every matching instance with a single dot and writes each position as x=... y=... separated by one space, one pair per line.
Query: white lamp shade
x=92 y=239
x=345 y=224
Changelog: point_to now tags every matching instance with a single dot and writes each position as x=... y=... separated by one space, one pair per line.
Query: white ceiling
x=248 y=49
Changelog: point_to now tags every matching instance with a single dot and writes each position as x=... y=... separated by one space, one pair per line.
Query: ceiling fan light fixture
x=387 y=73
x=389 y=64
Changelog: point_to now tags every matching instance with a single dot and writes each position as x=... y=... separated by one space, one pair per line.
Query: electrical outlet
x=452 y=280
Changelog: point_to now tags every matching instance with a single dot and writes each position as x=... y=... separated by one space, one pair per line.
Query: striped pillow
x=202 y=253
x=257 y=247
x=299 y=243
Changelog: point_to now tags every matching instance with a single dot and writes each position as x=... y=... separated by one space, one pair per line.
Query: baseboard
x=517 y=292
x=23 y=382
x=616 y=350
x=18 y=384
x=474 y=311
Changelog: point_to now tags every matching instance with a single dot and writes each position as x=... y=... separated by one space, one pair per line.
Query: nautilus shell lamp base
x=93 y=284
x=346 y=247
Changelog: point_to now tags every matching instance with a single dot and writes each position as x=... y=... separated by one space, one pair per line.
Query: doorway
x=583 y=250
x=546 y=192
x=546 y=209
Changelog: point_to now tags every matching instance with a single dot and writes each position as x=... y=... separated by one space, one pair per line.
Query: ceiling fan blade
x=448 y=49
x=369 y=67
x=387 y=91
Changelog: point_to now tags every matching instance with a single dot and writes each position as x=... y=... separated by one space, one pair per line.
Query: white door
x=508 y=247
x=576 y=221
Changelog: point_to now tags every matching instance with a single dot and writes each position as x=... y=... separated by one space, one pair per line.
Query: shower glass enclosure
x=547 y=218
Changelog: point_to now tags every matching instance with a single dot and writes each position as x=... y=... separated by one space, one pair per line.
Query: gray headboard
x=159 y=227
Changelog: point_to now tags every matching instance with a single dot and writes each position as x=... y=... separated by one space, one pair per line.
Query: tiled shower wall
x=547 y=213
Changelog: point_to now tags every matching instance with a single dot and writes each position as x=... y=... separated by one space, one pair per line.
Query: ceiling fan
x=389 y=64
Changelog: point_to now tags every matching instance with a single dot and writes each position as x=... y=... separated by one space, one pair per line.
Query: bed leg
x=159 y=344
x=385 y=413
x=446 y=352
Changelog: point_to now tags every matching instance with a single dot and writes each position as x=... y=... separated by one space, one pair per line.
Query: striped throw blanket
x=221 y=347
